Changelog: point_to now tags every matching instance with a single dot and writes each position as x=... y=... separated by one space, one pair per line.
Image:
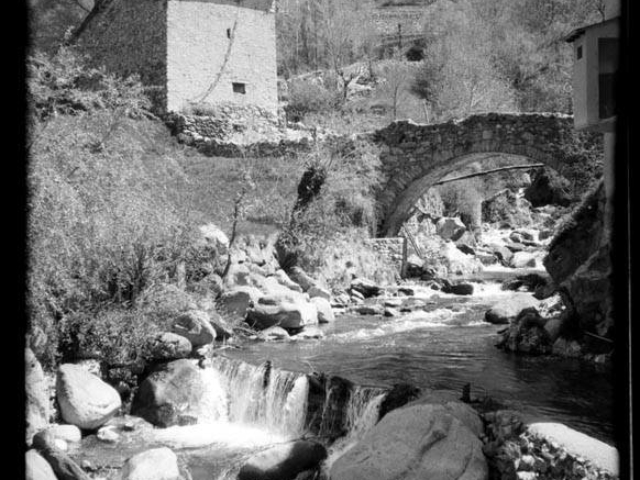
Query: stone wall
x=130 y=37
x=394 y=249
x=212 y=45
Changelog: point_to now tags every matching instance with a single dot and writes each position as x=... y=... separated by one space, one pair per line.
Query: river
x=446 y=347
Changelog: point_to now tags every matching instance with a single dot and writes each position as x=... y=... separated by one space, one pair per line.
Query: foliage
x=309 y=96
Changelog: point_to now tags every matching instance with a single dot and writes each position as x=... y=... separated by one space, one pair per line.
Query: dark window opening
x=239 y=87
x=228 y=33
x=579 y=52
x=607 y=68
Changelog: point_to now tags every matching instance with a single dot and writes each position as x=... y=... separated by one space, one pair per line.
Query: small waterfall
x=263 y=397
x=362 y=413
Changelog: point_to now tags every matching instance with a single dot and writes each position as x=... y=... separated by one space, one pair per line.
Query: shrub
x=308 y=96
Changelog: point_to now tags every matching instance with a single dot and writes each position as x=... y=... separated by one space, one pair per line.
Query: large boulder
x=169 y=346
x=223 y=330
x=548 y=188
x=37 y=398
x=413 y=443
x=284 y=280
x=156 y=464
x=523 y=260
x=507 y=310
x=37 y=468
x=301 y=277
x=527 y=334
x=325 y=313
x=317 y=291
x=236 y=301
x=84 y=399
x=67 y=433
x=459 y=263
x=284 y=462
x=64 y=467
x=171 y=394
x=366 y=287
x=195 y=326
x=290 y=312
x=450 y=228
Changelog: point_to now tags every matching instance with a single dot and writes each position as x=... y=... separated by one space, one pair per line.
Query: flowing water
x=446 y=347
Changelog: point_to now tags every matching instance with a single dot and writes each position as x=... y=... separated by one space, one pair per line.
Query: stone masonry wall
x=128 y=38
x=212 y=45
x=394 y=249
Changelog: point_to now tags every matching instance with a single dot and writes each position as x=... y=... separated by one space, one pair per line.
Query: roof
x=580 y=31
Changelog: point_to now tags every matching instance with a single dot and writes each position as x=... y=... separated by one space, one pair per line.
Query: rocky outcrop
x=37 y=398
x=290 y=312
x=156 y=464
x=170 y=395
x=84 y=399
x=414 y=442
x=284 y=462
x=579 y=263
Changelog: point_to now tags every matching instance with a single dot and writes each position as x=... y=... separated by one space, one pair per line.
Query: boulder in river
x=366 y=287
x=37 y=398
x=414 y=442
x=172 y=390
x=223 y=330
x=274 y=333
x=320 y=292
x=523 y=260
x=284 y=462
x=527 y=334
x=287 y=311
x=507 y=310
x=301 y=277
x=458 y=288
x=155 y=464
x=285 y=281
x=325 y=313
x=84 y=399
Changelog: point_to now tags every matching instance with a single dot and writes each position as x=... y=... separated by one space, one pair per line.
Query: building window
x=579 y=52
x=607 y=68
x=239 y=87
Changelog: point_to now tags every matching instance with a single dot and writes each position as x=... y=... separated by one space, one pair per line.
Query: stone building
x=197 y=55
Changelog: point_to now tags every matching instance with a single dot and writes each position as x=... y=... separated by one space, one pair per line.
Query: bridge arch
x=415 y=156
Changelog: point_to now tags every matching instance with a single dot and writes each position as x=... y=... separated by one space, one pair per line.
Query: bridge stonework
x=415 y=156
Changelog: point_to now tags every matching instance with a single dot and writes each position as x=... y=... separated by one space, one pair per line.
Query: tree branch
x=487 y=172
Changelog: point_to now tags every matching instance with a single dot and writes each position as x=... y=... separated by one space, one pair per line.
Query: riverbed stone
x=458 y=289
x=523 y=260
x=325 y=313
x=450 y=228
x=284 y=280
x=507 y=310
x=84 y=399
x=284 y=462
x=37 y=398
x=64 y=467
x=287 y=311
x=274 y=333
x=37 y=468
x=195 y=326
x=236 y=301
x=223 y=330
x=319 y=292
x=169 y=346
x=301 y=277
x=68 y=433
x=172 y=390
x=155 y=464
x=310 y=332
x=370 y=309
x=365 y=287
x=412 y=443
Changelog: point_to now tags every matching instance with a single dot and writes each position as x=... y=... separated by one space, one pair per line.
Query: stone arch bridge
x=415 y=156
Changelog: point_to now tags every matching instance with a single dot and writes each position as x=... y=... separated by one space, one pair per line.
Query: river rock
x=68 y=433
x=319 y=292
x=325 y=313
x=412 y=443
x=84 y=399
x=450 y=401
x=458 y=289
x=503 y=254
x=370 y=309
x=414 y=266
x=108 y=434
x=284 y=462
x=356 y=297
x=466 y=249
x=310 y=332
x=523 y=260
x=459 y=263
x=274 y=333
x=449 y=228
x=301 y=277
x=526 y=334
x=37 y=398
x=236 y=301
x=287 y=311
x=285 y=281
x=506 y=311
x=223 y=330
x=37 y=468
x=507 y=209
x=155 y=464
x=195 y=326
x=169 y=346
x=62 y=465
x=171 y=391
x=365 y=286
